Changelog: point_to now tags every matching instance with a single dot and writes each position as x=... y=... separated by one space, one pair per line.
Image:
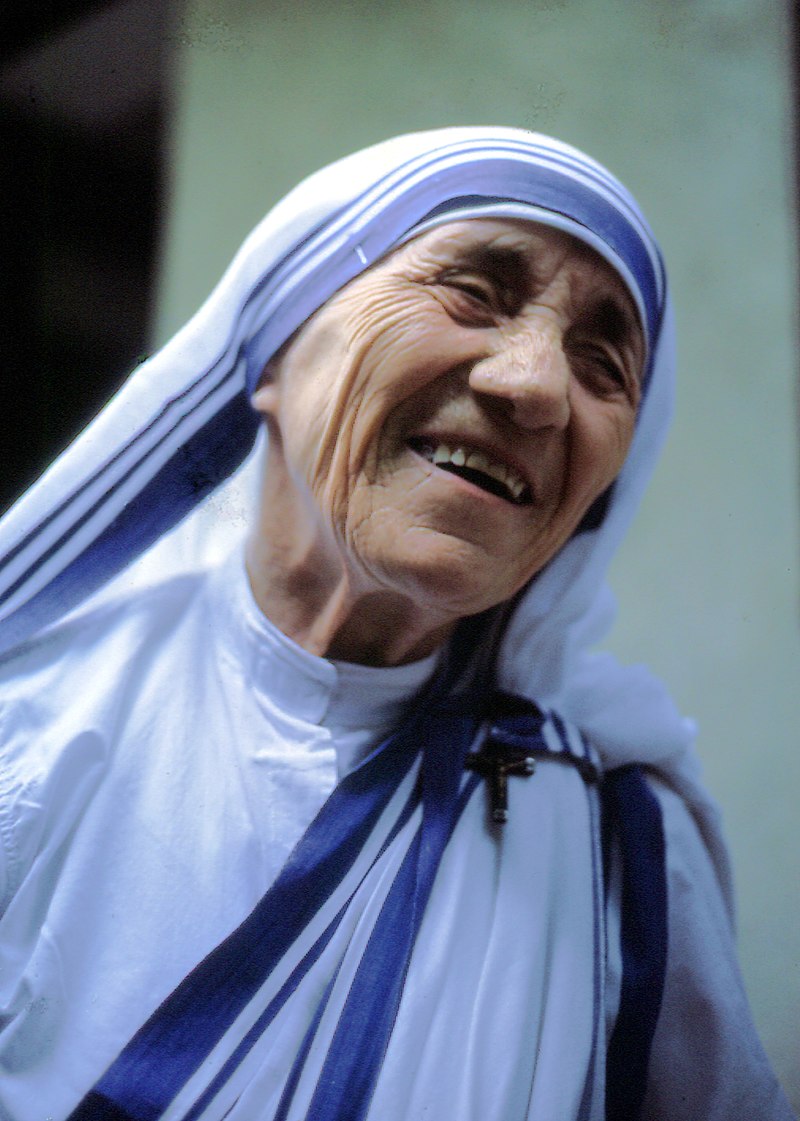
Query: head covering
x=182 y=423
x=116 y=504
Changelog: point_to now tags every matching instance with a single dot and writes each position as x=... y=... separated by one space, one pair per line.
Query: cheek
x=600 y=447
x=388 y=373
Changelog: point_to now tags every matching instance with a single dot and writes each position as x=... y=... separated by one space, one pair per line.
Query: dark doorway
x=84 y=103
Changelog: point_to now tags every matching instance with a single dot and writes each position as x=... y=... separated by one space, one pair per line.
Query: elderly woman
x=338 y=818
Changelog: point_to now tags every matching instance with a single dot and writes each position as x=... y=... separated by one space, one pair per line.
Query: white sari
x=448 y=971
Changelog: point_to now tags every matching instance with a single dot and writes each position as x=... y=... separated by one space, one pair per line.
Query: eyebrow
x=612 y=316
x=615 y=320
x=510 y=267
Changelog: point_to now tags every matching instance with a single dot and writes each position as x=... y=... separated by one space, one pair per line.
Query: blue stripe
x=295 y=1074
x=97 y=1107
x=141 y=436
x=300 y=1060
x=390 y=217
x=195 y=470
x=265 y=1019
x=598 y=900
x=230 y=434
x=217 y=374
x=167 y=1050
x=269 y=1013
x=356 y=1052
x=634 y=820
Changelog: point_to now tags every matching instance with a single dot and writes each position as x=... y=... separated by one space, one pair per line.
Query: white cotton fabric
x=626 y=712
x=140 y=757
x=564 y=611
x=140 y=827
x=145 y=826
x=142 y=821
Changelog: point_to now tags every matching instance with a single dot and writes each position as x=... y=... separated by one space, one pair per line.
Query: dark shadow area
x=84 y=103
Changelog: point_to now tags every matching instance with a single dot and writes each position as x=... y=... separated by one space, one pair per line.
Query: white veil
x=143 y=490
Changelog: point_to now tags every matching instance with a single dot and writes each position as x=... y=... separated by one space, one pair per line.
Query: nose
x=529 y=373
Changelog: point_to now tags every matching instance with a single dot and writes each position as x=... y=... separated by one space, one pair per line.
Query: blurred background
x=141 y=140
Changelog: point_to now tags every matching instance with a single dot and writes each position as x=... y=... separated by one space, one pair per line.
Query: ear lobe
x=265 y=399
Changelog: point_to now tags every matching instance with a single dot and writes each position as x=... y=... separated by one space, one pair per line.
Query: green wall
x=688 y=103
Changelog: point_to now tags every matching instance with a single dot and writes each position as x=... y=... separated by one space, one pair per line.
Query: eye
x=605 y=345
x=478 y=289
x=601 y=369
x=472 y=298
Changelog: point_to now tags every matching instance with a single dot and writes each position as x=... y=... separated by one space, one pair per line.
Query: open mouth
x=477 y=468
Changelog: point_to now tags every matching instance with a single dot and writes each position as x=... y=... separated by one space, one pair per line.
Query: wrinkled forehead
x=524 y=212
x=392 y=194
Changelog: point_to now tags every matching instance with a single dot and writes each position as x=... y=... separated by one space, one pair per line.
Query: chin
x=449 y=588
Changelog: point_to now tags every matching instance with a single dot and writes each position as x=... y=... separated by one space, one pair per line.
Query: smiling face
x=439 y=428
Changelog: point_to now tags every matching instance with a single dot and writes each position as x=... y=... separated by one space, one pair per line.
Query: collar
x=340 y=696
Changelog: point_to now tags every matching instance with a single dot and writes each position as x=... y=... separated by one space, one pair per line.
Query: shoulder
x=63 y=696
x=119 y=618
x=697 y=861
x=707 y=1060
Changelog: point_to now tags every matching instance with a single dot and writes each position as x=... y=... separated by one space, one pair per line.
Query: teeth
x=441 y=454
x=479 y=461
x=497 y=471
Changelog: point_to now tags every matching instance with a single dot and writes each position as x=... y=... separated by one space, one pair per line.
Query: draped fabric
x=348 y=933
x=158 y=455
x=300 y=1002
x=180 y=425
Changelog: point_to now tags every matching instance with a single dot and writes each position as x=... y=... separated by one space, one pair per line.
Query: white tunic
x=160 y=758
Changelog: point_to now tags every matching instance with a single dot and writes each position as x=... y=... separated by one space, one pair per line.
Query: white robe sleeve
x=19 y=815
x=46 y=782
x=707 y=1061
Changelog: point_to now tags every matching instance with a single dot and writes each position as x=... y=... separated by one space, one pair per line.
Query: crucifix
x=495 y=762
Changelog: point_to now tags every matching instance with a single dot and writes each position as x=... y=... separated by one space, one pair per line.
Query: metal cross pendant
x=495 y=763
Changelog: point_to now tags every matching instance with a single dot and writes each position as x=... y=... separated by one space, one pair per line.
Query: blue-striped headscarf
x=147 y=480
x=183 y=423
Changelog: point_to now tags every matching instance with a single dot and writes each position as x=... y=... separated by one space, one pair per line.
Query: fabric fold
x=342 y=919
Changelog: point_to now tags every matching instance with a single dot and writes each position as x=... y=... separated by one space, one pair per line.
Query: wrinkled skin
x=506 y=336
